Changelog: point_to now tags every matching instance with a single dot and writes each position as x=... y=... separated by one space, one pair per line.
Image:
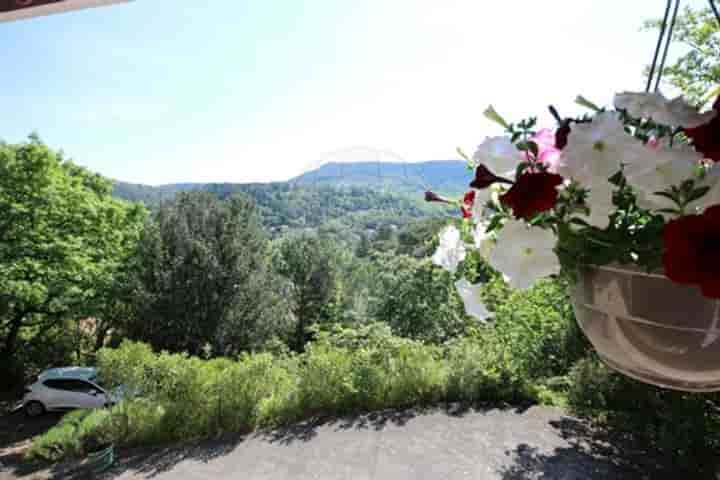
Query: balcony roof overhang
x=11 y=10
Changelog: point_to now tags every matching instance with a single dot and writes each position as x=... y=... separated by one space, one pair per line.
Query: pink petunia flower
x=548 y=154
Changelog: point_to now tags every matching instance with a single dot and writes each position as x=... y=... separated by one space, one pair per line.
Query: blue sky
x=161 y=91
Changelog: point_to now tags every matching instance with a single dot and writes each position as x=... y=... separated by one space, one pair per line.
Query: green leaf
x=533 y=147
x=521 y=169
x=697 y=193
x=617 y=178
x=579 y=221
x=668 y=195
x=463 y=154
x=495 y=223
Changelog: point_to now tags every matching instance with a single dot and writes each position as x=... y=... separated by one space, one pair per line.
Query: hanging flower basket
x=629 y=190
x=650 y=328
x=632 y=190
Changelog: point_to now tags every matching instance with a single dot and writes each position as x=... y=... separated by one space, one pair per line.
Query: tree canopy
x=696 y=71
x=310 y=264
x=62 y=237
x=197 y=255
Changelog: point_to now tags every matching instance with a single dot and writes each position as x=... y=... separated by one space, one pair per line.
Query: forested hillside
x=291 y=206
x=443 y=176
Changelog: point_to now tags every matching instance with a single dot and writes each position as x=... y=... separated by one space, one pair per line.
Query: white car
x=66 y=388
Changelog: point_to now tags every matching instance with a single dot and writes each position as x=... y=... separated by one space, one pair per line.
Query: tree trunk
x=300 y=334
x=100 y=335
x=11 y=339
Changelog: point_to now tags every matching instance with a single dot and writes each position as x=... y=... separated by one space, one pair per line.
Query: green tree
x=309 y=264
x=62 y=236
x=259 y=315
x=696 y=72
x=197 y=257
x=417 y=299
x=363 y=247
x=419 y=237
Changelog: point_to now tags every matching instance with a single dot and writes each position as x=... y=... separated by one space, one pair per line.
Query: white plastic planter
x=650 y=328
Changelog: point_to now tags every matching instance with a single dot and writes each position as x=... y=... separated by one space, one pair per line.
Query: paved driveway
x=539 y=443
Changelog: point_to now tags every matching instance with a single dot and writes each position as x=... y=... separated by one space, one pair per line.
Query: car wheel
x=34 y=409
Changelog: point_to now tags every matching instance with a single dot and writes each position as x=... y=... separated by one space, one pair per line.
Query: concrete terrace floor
x=537 y=443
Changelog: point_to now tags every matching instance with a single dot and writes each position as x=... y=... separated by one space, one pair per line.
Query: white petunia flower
x=496 y=190
x=472 y=299
x=674 y=113
x=451 y=250
x=599 y=200
x=478 y=208
x=672 y=166
x=596 y=150
x=492 y=193
x=524 y=254
x=681 y=114
x=484 y=242
x=498 y=154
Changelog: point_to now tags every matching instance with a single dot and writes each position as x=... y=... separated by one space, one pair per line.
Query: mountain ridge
x=446 y=176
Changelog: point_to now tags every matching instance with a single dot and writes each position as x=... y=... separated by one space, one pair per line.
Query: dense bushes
x=540 y=325
x=684 y=426
x=417 y=299
x=531 y=353
x=343 y=370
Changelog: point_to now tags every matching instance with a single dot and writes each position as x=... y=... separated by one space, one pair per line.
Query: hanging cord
x=661 y=69
x=714 y=9
x=656 y=69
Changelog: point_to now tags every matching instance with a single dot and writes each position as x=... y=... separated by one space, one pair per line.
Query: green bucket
x=101 y=459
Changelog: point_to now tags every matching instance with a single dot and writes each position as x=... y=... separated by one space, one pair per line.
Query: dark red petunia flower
x=532 y=193
x=467 y=204
x=692 y=251
x=561 y=136
x=484 y=178
x=706 y=138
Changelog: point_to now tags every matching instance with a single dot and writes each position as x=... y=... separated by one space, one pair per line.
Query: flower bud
x=493 y=115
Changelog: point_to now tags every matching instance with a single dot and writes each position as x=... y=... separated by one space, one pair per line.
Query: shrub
x=417 y=299
x=70 y=435
x=684 y=426
x=515 y=359
x=386 y=370
x=343 y=371
x=538 y=331
x=478 y=373
x=256 y=389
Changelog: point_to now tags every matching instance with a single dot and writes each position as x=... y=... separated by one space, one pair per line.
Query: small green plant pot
x=101 y=458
